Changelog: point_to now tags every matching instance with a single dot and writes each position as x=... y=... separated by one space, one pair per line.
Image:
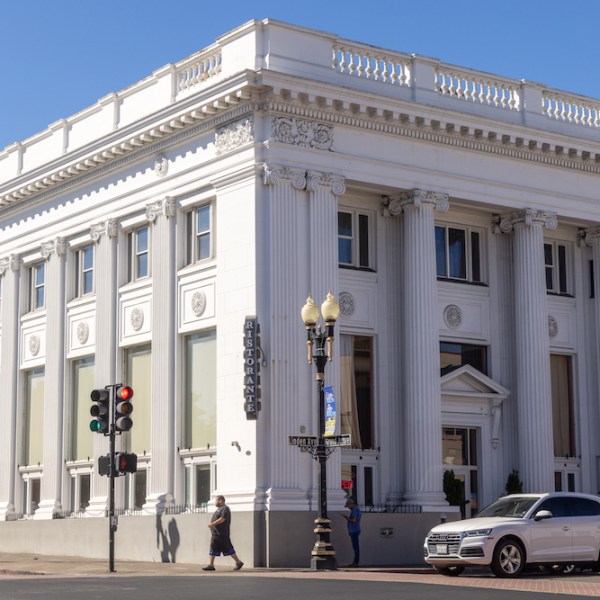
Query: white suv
x=553 y=529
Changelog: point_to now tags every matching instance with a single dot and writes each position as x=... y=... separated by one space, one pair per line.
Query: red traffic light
x=124 y=393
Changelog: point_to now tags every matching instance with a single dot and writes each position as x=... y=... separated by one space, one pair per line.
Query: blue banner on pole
x=330 y=412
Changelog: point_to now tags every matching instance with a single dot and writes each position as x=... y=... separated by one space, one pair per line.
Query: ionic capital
x=272 y=175
x=165 y=207
x=589 y=237
x=57 y=246
x=527 y=217
x=317 y=180
x=108 y=228
x=12 y=262
x=394 y=205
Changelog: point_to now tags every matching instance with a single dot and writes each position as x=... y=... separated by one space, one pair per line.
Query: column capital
x=589 y=237
x=57 y=246
x=394 y=205
x=273 y=174
x=13 y=262
x=164 y=207
x=527 y=217
x=317 y=179
x=108 y=228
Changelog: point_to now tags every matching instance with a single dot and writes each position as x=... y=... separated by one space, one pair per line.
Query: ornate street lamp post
x=320 y=349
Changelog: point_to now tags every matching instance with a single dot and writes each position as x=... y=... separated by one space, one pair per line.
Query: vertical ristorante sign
x=251 y=368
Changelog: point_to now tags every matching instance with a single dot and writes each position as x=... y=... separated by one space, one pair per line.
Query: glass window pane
x=140 y=489
x=345 y=224
x=345 y=251
x=88 y=282
x=142 y=265
x=201 y=390
x=88 y=257
x=562 y=269
x=457 y=253
x=84 y=491
x=34 y=417
x=82 y=386
x=548 y=254
x=363 y=240
x=142 y=240
x=202 y=484
x=39 y=274
x=138 y=362
x=203 y=247
x=440 y=251
x=204 y=219
x=475 y=257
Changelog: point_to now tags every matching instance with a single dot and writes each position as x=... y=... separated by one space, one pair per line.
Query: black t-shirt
x=221 y=528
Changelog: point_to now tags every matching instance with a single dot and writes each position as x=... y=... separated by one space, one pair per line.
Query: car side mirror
x=542 y=514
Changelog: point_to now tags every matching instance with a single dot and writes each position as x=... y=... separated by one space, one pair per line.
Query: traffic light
x=126 y=462
x=100 y=410
x=123 y=408
x=104 y=465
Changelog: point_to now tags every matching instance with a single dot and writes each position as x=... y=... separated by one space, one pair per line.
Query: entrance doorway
x=460 y=454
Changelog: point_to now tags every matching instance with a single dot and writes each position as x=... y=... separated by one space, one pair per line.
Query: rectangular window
x=37 y=282
x=84 y=271
x=200 y=410
x=33 y=449
x=557 y=275
x=454 y=355
x=138 y=366
x=80 y=491
x=81 y=386
x=140 y=489
x=138 y=245
x=562 y=405
x=200 y=236
x=354 y=240
x=458 y=253
x=356 y=390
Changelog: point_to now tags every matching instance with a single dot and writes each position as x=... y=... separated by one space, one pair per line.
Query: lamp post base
x=323 y=553
x=323 y=563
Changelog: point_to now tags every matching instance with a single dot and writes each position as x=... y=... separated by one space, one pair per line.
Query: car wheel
x=558 y=569
x=453 y=571
x=508 y=559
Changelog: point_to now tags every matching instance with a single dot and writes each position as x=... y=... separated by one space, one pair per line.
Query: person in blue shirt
x=354 y=529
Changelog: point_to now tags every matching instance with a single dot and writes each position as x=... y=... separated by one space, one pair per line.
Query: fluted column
x=422 y=425
x=164 y=335
x=324 y=190
x=54 y=253
x=532 y=348
x=104 y=234
x=9 y=370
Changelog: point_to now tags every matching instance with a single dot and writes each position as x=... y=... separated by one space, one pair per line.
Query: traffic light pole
x=112 y=522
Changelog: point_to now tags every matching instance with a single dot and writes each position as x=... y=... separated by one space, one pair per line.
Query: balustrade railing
x=477 y=87
x=203 y=67
x=571 y=109
x=371 y=64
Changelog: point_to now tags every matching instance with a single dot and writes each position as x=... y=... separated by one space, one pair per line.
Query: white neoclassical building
x=454 y=214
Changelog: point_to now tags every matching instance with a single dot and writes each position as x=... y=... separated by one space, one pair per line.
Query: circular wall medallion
x=552 y=326
x=137 y=318
x=346 y=303
x=453 y=316
x=198 y=303
x=34 y=345
x=83 y=332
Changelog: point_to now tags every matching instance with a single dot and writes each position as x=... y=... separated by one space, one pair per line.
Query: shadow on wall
x=167 y=539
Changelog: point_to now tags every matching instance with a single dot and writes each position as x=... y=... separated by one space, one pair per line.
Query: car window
x=584 y=507
x=508 y=507
x=559 y=507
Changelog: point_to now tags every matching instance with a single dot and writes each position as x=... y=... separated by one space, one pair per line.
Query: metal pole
x=111 y=495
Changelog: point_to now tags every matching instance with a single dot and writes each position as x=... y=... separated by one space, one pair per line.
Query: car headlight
x=478 y=533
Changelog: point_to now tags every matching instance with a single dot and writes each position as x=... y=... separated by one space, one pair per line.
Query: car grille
x=471 y=552
x=452 y=539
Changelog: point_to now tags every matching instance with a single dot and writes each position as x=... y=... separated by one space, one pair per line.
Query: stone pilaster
x=532 y=347
x=10 y=269
x=54 y=253
x=104 y=234
x=422 y=425
x=161 y=215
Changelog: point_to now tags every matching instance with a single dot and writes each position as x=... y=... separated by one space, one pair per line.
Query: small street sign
x=311 y=441
x=304 y=441
x=338 y=440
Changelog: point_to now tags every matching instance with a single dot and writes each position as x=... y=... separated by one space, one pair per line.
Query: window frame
x=81 y=271
x=35 y=288
x=134 y=254
x=559 y=268
x=194 y=234
x=362 y=224
x=473 y=258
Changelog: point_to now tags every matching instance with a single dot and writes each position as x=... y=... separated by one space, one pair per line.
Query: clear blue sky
x=60 y=56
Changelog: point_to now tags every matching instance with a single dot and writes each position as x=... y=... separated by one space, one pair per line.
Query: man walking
x=219 y=541
x=354 y=529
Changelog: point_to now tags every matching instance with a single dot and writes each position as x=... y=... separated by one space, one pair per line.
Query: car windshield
x=516 y=506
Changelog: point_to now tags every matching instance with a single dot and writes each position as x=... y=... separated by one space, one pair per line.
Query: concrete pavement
x=30 y=565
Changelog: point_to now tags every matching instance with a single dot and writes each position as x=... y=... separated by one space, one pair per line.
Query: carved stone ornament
x=315 y=180
x=136 y=319
x=346 y=304
x=393 y=206
x=83 y=332
x=198 y=303
x=303 y=133
x=274 y=175
x=234 y=136
x=108 y=228
x=161 y=165
x=159 y=208
x=453 y=316
x=58 y=246
x=527 y=217
x=34 y=345
x=552 y=326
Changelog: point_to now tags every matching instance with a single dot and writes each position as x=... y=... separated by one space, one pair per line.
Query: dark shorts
x=221 y=544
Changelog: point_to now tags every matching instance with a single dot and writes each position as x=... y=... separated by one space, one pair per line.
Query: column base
x=427 y=500
x=7 y=511
x=156 y=503
x=97 y=507
x=46 y=510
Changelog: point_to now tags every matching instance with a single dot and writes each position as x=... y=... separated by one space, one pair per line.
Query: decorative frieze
x=303 y=133
x=234 y=135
